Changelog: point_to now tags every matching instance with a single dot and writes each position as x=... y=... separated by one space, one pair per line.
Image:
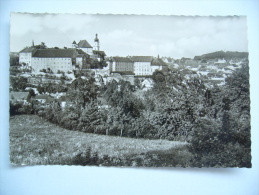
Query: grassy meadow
x=34 y=141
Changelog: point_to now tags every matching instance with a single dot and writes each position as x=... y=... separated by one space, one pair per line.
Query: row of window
x=53 y=67
x=52 y=62
x=51 y=59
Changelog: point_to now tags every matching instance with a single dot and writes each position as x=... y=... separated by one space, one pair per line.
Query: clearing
x=36 y=141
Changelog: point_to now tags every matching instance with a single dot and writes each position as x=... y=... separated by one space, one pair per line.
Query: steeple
x=74 y=45
x=96 y=43
x=32 y=43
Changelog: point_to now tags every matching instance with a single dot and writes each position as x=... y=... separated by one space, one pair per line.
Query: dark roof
x=74 y=42
x=18 y=95
x=122 y=59
x=124 y=72
x=102 y=53
x=81 y=52
x=39 y=97
x=80 y=55
x=158 y=62
x=84 y=44
x=27 y=50
x=55 y=53
x=96 y=38
x=162 y=62
x=155 y=62
x=142 y=58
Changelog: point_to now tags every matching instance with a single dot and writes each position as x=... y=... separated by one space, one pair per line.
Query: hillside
x=35 y=141
x=222 y=54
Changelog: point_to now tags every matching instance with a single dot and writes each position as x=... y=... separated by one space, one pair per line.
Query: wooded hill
x=222 y=54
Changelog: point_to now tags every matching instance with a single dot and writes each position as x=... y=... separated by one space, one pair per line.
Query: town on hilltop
x=38 y=65
x=200 y=104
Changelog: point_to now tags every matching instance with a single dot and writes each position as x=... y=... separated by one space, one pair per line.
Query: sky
x=123 y=35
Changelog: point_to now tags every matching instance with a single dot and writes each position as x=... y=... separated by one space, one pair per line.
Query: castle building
x=58 y=60
x=94 y=52
x=85 y=46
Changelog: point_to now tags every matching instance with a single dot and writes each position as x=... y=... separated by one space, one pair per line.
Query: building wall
x=89 y=51
x=25 y=58
x=124 y=66
x=55 y=64
x=79 y=62
x=154 y=68
x=143 y=68
x=96 y=45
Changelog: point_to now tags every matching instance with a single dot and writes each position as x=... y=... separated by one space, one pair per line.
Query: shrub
x=213 y=144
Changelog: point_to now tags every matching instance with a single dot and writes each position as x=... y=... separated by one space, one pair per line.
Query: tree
x=89 y=119
x=83 y=91
x=41 y=46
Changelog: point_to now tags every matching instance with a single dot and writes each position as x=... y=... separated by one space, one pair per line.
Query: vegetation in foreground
x=35 y=141
x=215 y=121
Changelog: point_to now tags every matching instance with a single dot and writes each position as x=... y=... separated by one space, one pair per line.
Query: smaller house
x=44 y=98
x=147 y=84
x=19 y=96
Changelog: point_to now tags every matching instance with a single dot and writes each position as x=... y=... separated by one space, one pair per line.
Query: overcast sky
x=123 y=35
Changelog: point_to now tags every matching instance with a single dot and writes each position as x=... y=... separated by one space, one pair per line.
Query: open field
x=36 y=141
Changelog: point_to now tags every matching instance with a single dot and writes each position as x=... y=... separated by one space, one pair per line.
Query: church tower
x=74 y=45
x=96 y=43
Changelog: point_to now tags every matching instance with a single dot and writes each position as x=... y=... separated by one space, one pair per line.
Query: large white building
x=58 y=60
x=25 y=56
x=138 y=65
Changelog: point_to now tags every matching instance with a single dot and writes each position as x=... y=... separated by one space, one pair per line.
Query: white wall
x=25 y=58
x=55 y=64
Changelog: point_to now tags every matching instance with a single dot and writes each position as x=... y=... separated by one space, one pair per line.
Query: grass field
x=36 y=141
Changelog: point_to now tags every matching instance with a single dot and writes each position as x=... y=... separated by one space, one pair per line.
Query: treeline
x=221 y=54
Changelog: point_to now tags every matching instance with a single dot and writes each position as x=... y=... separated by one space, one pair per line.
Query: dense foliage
x=215 y=121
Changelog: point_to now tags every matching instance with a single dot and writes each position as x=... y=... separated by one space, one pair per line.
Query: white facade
x=55 y=64
x=96 y=45
x=145 y=68
x=142 y=68
x=79 y=62
x=25 y=57
x=89 y=51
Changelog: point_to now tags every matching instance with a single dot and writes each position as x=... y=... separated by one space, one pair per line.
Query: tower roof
x=96 y=38
x=74 y=42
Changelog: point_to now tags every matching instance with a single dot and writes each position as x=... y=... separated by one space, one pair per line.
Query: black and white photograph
x=129 y=90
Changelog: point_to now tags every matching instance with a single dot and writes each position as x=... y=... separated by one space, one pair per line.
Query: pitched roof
x=124 y=72
x=55 y=53
x=158 y=62
x=74 y=42
x=27 y=50
x=155 y=62
x=162 y=62
x=84 y=44
x=18 y=95
x=142 y=58
x=122 y=59
x=40 y=97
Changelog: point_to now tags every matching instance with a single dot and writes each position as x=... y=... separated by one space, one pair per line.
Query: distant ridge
x=222 y=54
